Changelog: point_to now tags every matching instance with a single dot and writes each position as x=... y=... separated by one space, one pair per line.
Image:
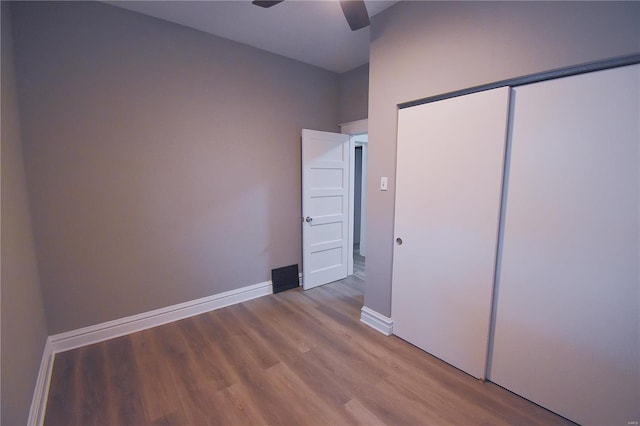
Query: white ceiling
x=314 y=32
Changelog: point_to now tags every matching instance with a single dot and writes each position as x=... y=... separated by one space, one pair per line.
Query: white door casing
x=358 y=131
x=325 y=207
x=363 y=142
x=360 y=140
x=448 y=193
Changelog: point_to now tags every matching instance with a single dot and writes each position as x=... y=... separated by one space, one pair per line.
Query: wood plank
x=359 y=414
x=156 y=385
x=235 y=406
x=291 y=358
x=124 y=383
x=64 y=399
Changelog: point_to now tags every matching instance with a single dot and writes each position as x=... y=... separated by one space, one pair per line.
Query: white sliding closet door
x=448 y=188
x=567 y=330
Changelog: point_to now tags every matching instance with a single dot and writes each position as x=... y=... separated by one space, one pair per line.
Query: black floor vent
x=284 y=278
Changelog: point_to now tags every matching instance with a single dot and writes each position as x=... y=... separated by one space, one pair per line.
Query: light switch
x=383 y=183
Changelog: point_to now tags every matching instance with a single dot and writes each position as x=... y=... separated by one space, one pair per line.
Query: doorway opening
x=358 y=132
x=359 y=194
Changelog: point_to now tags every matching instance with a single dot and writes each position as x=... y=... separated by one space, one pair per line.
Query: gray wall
x=163 y=163
x=420 y=49
x=24 y=330
x=354 y=94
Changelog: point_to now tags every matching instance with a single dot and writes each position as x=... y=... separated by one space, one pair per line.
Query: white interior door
x=448 y=194
x=568 y=318
x=325 y=207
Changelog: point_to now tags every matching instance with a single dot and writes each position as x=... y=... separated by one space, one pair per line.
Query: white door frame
x=360 y=141
x=355 y=128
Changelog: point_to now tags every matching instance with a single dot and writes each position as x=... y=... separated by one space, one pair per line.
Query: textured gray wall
x=24 y=329
x=163 y=163
x=354 y=94
x=420 y=49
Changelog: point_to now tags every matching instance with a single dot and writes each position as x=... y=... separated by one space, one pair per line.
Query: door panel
x=567 y=330
x=325 y=192
x=448 y=194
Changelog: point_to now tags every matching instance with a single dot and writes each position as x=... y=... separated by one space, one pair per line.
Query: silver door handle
x=308 y=219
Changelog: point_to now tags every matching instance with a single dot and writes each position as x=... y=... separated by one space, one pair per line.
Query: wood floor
x=295 y=358
x=358 y=264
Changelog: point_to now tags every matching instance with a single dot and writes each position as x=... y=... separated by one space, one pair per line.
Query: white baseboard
x=376 y=321
x=41 y=391
x=120 y=327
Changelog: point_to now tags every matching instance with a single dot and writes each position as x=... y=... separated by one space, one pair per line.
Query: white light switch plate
x=383 y=183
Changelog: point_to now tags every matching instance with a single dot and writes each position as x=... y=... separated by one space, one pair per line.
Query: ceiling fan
x=354 y=10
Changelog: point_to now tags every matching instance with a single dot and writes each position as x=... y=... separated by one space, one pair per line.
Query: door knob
x=399 y=241
x=308 y=219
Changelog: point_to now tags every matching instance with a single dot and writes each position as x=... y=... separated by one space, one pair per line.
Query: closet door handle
x=399 y=241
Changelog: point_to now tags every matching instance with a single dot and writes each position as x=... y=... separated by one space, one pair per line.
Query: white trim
x=41 y=390
x=363 y=142
x=120 y=327
x=363 y=198
x=355 y=127
x=352 y=180
x=376 y=321
x=360 y=140
x=116 y=328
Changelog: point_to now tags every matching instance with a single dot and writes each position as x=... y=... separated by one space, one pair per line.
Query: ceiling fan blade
x=266 y=4
x=356 y=13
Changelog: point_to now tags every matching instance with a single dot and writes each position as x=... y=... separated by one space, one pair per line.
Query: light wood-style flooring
x=358 y=265
x=294 y=358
